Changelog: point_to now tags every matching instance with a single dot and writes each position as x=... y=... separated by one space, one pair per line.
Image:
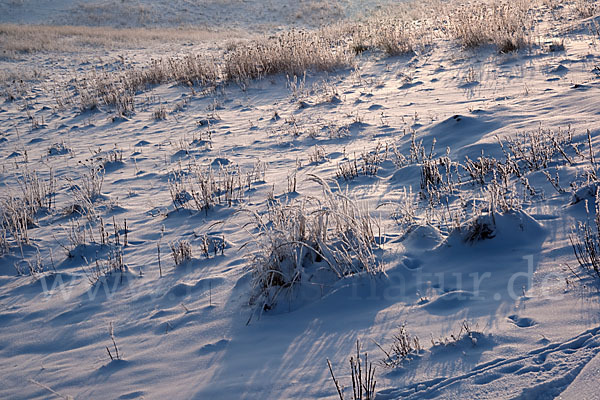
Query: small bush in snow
x=363 y=380
x=586 y=246
x=160 y=113
x=467 y=332
x=18 y=213
x=181 y=251
x=88 y=190
x=101 y=269
x=586 y=242
x=114 y=355
x=403 y=346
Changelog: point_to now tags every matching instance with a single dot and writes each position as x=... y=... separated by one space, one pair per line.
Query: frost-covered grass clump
x=296 y=239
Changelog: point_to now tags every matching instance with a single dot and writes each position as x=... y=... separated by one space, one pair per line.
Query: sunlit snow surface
x=192 y=333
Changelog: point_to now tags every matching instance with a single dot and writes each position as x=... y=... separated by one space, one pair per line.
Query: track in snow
x=543 y=373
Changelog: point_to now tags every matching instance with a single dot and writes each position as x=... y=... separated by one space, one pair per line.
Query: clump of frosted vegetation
x=333 y=232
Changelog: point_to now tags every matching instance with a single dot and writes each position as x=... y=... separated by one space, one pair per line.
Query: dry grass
x=18 y=213
x=403 y=347
x=586 y=8
x=363 y=377
x=333 y=231
x=396 y=29
x=203 y=188
x=292 y=53
x=466 y=196
x=585 y=241
x=114 y=13
x=117 y=89
x=24 y=39
x=508 y=25
x=395 y=38
x=102 y=269
x=505 y=24
x=400 y=28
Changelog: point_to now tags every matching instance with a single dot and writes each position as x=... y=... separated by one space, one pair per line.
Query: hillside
x=207 y=214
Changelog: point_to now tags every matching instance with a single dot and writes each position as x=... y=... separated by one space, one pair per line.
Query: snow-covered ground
x=508 y=314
